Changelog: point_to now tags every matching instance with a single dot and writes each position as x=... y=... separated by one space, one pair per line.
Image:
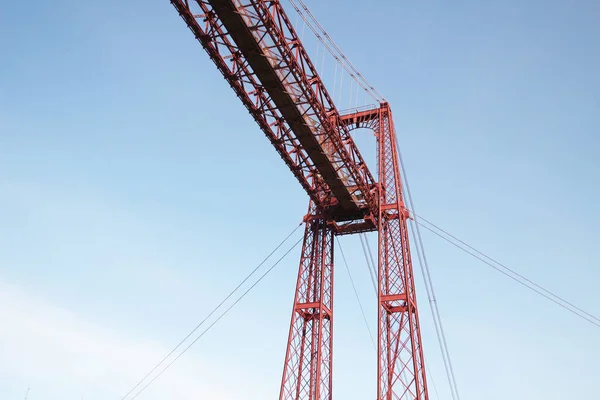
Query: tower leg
x=308 y=360
x=401 y=371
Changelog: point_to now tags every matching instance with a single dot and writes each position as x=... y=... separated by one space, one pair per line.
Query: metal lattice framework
x=401 y=367
x=307 y=372
x=255 y=47
x=257 y=50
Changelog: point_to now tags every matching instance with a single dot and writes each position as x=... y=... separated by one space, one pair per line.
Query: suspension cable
x=503 y=269
x=334 y=49
x=371 y=268
x=370 y=254
x=430 y=377
x=211 y=313
x=369 y=259
x=424 y=266
x=356 y=293
x=436 y=317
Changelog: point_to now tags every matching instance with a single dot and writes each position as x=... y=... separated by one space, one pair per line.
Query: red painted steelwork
x=307 y=371
x=401 y=368
x=254 y=45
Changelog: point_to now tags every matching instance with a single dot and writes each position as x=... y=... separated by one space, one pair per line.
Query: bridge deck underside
x=241 y=33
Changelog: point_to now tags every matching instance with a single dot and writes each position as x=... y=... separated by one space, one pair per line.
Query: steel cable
x=370 y=256
x=560 y=301
x=356 y=294
x=334 y=50
x=211 y=313
x=371 y=268
x=435 y=312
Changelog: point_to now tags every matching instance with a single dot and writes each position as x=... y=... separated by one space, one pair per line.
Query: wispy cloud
x=62 y=349
x=61 y=355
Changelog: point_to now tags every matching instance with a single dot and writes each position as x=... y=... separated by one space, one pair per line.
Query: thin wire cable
x=437 y=319
x=335 y=80
x=211 y=313
x=430 y=377
x=435 y=316
x=296 y=26
x=362 y=311
x=341 y=86
x=322 y=63
x=333 y=48
x=360 y=235
x=351 y=93
x=317 y=56
x=534 y=287
x=218 y=319
x=374 y=93
x=513 y=272
x=370 y=254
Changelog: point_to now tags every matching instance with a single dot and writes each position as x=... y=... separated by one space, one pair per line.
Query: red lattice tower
x=255 y=47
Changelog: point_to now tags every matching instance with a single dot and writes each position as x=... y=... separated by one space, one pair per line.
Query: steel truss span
x=254 y=46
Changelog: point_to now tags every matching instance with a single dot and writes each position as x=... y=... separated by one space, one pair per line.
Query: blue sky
x=135 y=192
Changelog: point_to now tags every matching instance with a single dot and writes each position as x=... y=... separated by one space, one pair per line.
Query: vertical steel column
x=254 y=45
x=401 y=370
x=308 y=361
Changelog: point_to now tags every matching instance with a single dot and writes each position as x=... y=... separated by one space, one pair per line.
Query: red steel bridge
x=254 y=45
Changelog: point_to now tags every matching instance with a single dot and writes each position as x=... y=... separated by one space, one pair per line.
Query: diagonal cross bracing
x=256 y=48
